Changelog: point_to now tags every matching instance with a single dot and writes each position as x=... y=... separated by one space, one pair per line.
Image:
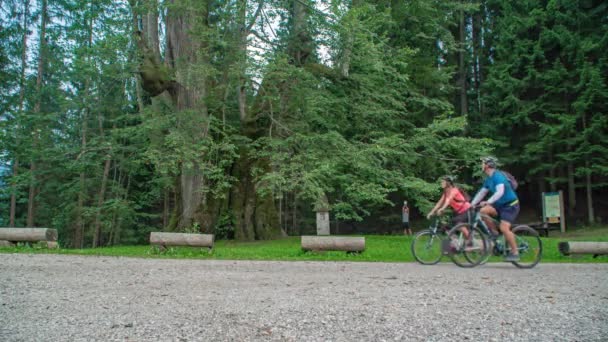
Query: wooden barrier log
x=28 y=234
x=4 y=243
x=181 y=239
x=583 y=247
x=333 y=243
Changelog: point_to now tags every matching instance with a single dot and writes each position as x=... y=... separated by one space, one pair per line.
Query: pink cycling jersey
x=458 y=203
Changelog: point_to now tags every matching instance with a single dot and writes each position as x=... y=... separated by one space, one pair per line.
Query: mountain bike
x=466 y=245
x=483 y=242
x=426 y=246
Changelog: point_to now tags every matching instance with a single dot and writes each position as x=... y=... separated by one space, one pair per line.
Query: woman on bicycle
x=452 y=196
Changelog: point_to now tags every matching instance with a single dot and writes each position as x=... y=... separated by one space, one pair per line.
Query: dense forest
x=240 y=117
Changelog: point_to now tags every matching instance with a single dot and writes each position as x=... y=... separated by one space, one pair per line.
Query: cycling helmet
x=449 y=179
x=490 y=161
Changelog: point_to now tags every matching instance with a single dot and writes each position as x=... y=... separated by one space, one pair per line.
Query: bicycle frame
x=497 y=249
x=434 y=227
x=478 y=220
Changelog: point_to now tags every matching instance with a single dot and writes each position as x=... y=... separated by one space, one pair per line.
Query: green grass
x=552 y=254
x=379 y=248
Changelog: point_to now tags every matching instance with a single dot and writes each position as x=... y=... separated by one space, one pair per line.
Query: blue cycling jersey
x=497 y=178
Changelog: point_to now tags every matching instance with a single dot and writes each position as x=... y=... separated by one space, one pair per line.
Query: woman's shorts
x=464 y=217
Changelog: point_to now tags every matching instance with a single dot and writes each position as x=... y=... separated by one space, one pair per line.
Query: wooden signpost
x=553 y=209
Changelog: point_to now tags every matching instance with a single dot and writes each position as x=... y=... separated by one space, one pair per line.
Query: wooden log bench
x=333 y=243
x=163 y=239
x=583 y=247
x=543 y=228
x=11 y=236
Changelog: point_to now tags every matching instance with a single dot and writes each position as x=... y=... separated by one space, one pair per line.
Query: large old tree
x=184 y=79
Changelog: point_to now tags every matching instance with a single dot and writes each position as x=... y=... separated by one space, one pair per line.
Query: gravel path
x=76 y=298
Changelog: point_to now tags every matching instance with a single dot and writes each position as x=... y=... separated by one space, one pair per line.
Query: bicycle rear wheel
x=426 y=247
x=529 y=245
x=467 y=246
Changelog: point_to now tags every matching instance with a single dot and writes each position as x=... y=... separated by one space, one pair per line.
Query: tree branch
x=262 y=38
x=255 y=15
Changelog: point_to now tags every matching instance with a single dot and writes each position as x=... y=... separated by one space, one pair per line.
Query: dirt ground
x=78 y=298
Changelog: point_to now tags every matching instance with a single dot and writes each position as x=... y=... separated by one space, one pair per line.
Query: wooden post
x=322 y=222
x=322 y=209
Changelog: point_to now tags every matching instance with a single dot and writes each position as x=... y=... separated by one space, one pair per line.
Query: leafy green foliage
x=349 y=105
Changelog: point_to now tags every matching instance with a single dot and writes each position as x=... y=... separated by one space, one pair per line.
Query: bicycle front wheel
x=426 y=247
x=529 y=245
x=467 y=246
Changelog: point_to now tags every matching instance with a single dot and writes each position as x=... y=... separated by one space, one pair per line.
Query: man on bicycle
x=503 y=203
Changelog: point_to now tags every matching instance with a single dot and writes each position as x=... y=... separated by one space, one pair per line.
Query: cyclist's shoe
x=511 y=257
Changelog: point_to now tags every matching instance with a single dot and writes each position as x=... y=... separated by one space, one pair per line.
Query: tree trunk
x=100 y=201
x=191 y=183
x=166 y=208
x=243 y=199
x=118 y=228
x=542 y=183
x=294 y=221
x=256 y=215
x=184 y=54
x=14 y=194
x=571 y=190
x=477 y=57
x=462 y=71
x=26 y=13
x=552 y=185
x=150 y=28
x=300 y=45
x=349 y=41
x=78 y=240
x=31 y=205
x=102 y=190
x=588 y=185
x=241 y=57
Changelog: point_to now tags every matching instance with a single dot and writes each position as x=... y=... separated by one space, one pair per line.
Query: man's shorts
x=508 y=212
x=406 y=225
